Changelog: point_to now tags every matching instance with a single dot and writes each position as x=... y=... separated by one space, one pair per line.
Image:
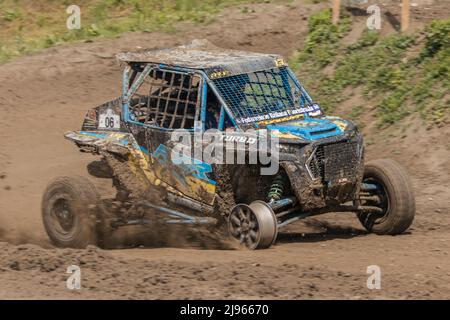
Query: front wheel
x=69 y=209
x=387 y=186
x=253 y=225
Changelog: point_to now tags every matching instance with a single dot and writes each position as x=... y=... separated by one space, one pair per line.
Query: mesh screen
x=166 y=99
x=259 y=93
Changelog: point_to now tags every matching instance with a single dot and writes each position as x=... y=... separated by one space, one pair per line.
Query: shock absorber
x=277 y=187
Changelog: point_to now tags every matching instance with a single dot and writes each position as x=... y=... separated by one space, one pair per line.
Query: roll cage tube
x=302 y=89
x=129 y=89
x=224 y=110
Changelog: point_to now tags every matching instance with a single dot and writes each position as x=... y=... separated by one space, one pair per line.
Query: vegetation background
x=403 y=74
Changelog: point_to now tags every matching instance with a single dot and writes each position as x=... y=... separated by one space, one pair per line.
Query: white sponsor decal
x=311 y=110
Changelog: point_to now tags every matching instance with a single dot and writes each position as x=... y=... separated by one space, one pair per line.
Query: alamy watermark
x=374 y=280
x=374 y=20
x=73 y=282
x=218 y=147
x=73 y=22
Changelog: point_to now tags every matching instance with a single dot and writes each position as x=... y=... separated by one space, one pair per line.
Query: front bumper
x=325 y=172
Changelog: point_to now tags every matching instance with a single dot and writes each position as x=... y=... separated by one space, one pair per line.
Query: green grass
x=403 y=74
x=28 y=26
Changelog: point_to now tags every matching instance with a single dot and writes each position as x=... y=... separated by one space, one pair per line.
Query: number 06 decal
x=109 y=120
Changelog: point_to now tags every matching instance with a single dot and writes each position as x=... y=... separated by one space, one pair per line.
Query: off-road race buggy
x=199 y=87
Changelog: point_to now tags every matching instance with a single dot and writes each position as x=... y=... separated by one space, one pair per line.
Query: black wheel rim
x=63 y=218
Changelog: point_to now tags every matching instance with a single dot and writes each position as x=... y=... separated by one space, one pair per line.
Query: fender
x=120 y=143
x=115 y=142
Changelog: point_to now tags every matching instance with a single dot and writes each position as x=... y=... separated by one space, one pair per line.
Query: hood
x=309 y=128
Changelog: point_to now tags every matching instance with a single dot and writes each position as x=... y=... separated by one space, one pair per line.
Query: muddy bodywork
x=320 y=156
x=296 y=159
x=202 y=55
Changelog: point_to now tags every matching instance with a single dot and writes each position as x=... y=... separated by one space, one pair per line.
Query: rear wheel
x=254 y=225
x=386 y=185
x=69 y=208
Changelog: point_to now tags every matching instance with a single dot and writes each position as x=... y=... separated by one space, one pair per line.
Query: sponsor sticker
x=311 y=110
x=109 y=120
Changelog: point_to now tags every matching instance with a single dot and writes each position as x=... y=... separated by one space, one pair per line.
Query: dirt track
x=44 y=95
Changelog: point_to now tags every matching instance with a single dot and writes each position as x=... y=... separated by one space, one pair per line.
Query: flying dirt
x=45 y=95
